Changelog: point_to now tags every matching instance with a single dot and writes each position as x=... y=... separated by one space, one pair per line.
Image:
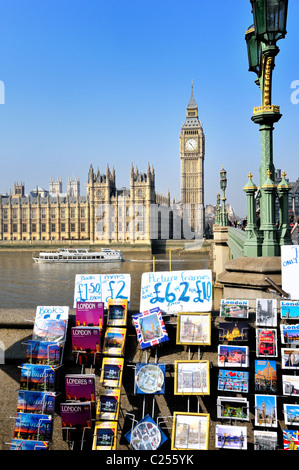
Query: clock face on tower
x=191 y=144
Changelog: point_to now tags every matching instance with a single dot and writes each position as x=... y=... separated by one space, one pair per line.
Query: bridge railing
x=236 y=240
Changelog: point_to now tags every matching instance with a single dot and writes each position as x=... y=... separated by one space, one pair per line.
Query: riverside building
x=137 y=214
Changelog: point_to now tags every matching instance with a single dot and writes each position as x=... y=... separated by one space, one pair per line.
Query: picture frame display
x=233 y=331
x=43 y=352
x=231 y=437
x=26 y=444
x=190 y=431
x=265 y=376
x=150 y=328
x=111 y=372
x=266 y=342
x=114 y=341
x=289 y=358
x=265 y=410
x=105 y=434
x=289 y=334
x=291 y=414
x=117 y=311
x=234 y=308
x=265 y=440
x=192 y=377
x=266 y=312
x=233 y=381
x=233 y=356
x=90 y=314
x=290 y=439
x=290 y=385
x=150 y=378
x=33 y=426
x=289 y=309
x=36 y=402
x=108 y=404
x=233 y=408
x=193 y=328
x=145 y=435
x=38 y=377
x=50 y=323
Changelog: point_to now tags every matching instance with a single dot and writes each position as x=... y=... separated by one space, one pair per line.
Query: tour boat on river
x=78 y=255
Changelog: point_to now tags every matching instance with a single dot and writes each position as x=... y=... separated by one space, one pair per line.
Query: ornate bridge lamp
x=223 y=213
x=269 y=26
x=217 y=218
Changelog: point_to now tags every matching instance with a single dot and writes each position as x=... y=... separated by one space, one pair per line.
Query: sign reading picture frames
x=177 y=291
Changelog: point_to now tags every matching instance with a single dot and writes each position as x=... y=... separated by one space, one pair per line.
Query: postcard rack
x=70 y=441
x=83 y=359
x=37 y=392
x=144 y=395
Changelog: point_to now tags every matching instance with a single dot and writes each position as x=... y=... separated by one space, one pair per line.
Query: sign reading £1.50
x=101 y=287
x=177 y=291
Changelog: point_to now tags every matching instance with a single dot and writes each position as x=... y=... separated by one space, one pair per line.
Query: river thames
x=25 y=284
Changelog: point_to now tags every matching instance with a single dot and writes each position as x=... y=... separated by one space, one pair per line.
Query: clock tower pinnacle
x=192 y=153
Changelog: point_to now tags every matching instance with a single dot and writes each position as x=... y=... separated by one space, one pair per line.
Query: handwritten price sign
x=101 y=287
x=177 y=291
x=290 y=270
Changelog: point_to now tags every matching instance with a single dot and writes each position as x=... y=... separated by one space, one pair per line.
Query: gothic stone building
x=108 y=214
x=104 y=214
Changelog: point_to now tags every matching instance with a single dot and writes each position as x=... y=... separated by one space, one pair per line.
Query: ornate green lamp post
x=269 y=26
x=223 y=184
x=252 y=246
x=217 y=218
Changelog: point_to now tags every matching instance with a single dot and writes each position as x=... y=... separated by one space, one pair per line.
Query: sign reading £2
x=101 y=287
x=177 y=291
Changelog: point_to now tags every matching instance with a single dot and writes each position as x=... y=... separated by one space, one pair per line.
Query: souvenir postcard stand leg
x=233 y=333
x=149 y=376
x=148 y=379
x=192 y=375
x=37 y=394
x=289 y=314
x=78 y=411
x=265 y=374
x=111 y=373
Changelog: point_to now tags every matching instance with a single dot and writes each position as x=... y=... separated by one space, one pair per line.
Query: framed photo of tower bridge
x=193 y=328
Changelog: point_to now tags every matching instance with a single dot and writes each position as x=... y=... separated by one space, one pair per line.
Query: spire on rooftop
x=192 y=103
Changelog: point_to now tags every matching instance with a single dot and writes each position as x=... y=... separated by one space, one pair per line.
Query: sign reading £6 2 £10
x=177 y=291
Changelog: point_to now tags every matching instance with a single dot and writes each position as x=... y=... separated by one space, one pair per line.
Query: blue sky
x=108 y=81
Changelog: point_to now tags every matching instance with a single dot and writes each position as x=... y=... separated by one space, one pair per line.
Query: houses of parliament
x=109 y=214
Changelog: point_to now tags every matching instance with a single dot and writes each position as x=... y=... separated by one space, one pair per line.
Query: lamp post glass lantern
x=270 y=19
x=253 y=51
x=223 y=184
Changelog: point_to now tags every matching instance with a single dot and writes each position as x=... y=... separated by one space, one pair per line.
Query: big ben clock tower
x=192 y=152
